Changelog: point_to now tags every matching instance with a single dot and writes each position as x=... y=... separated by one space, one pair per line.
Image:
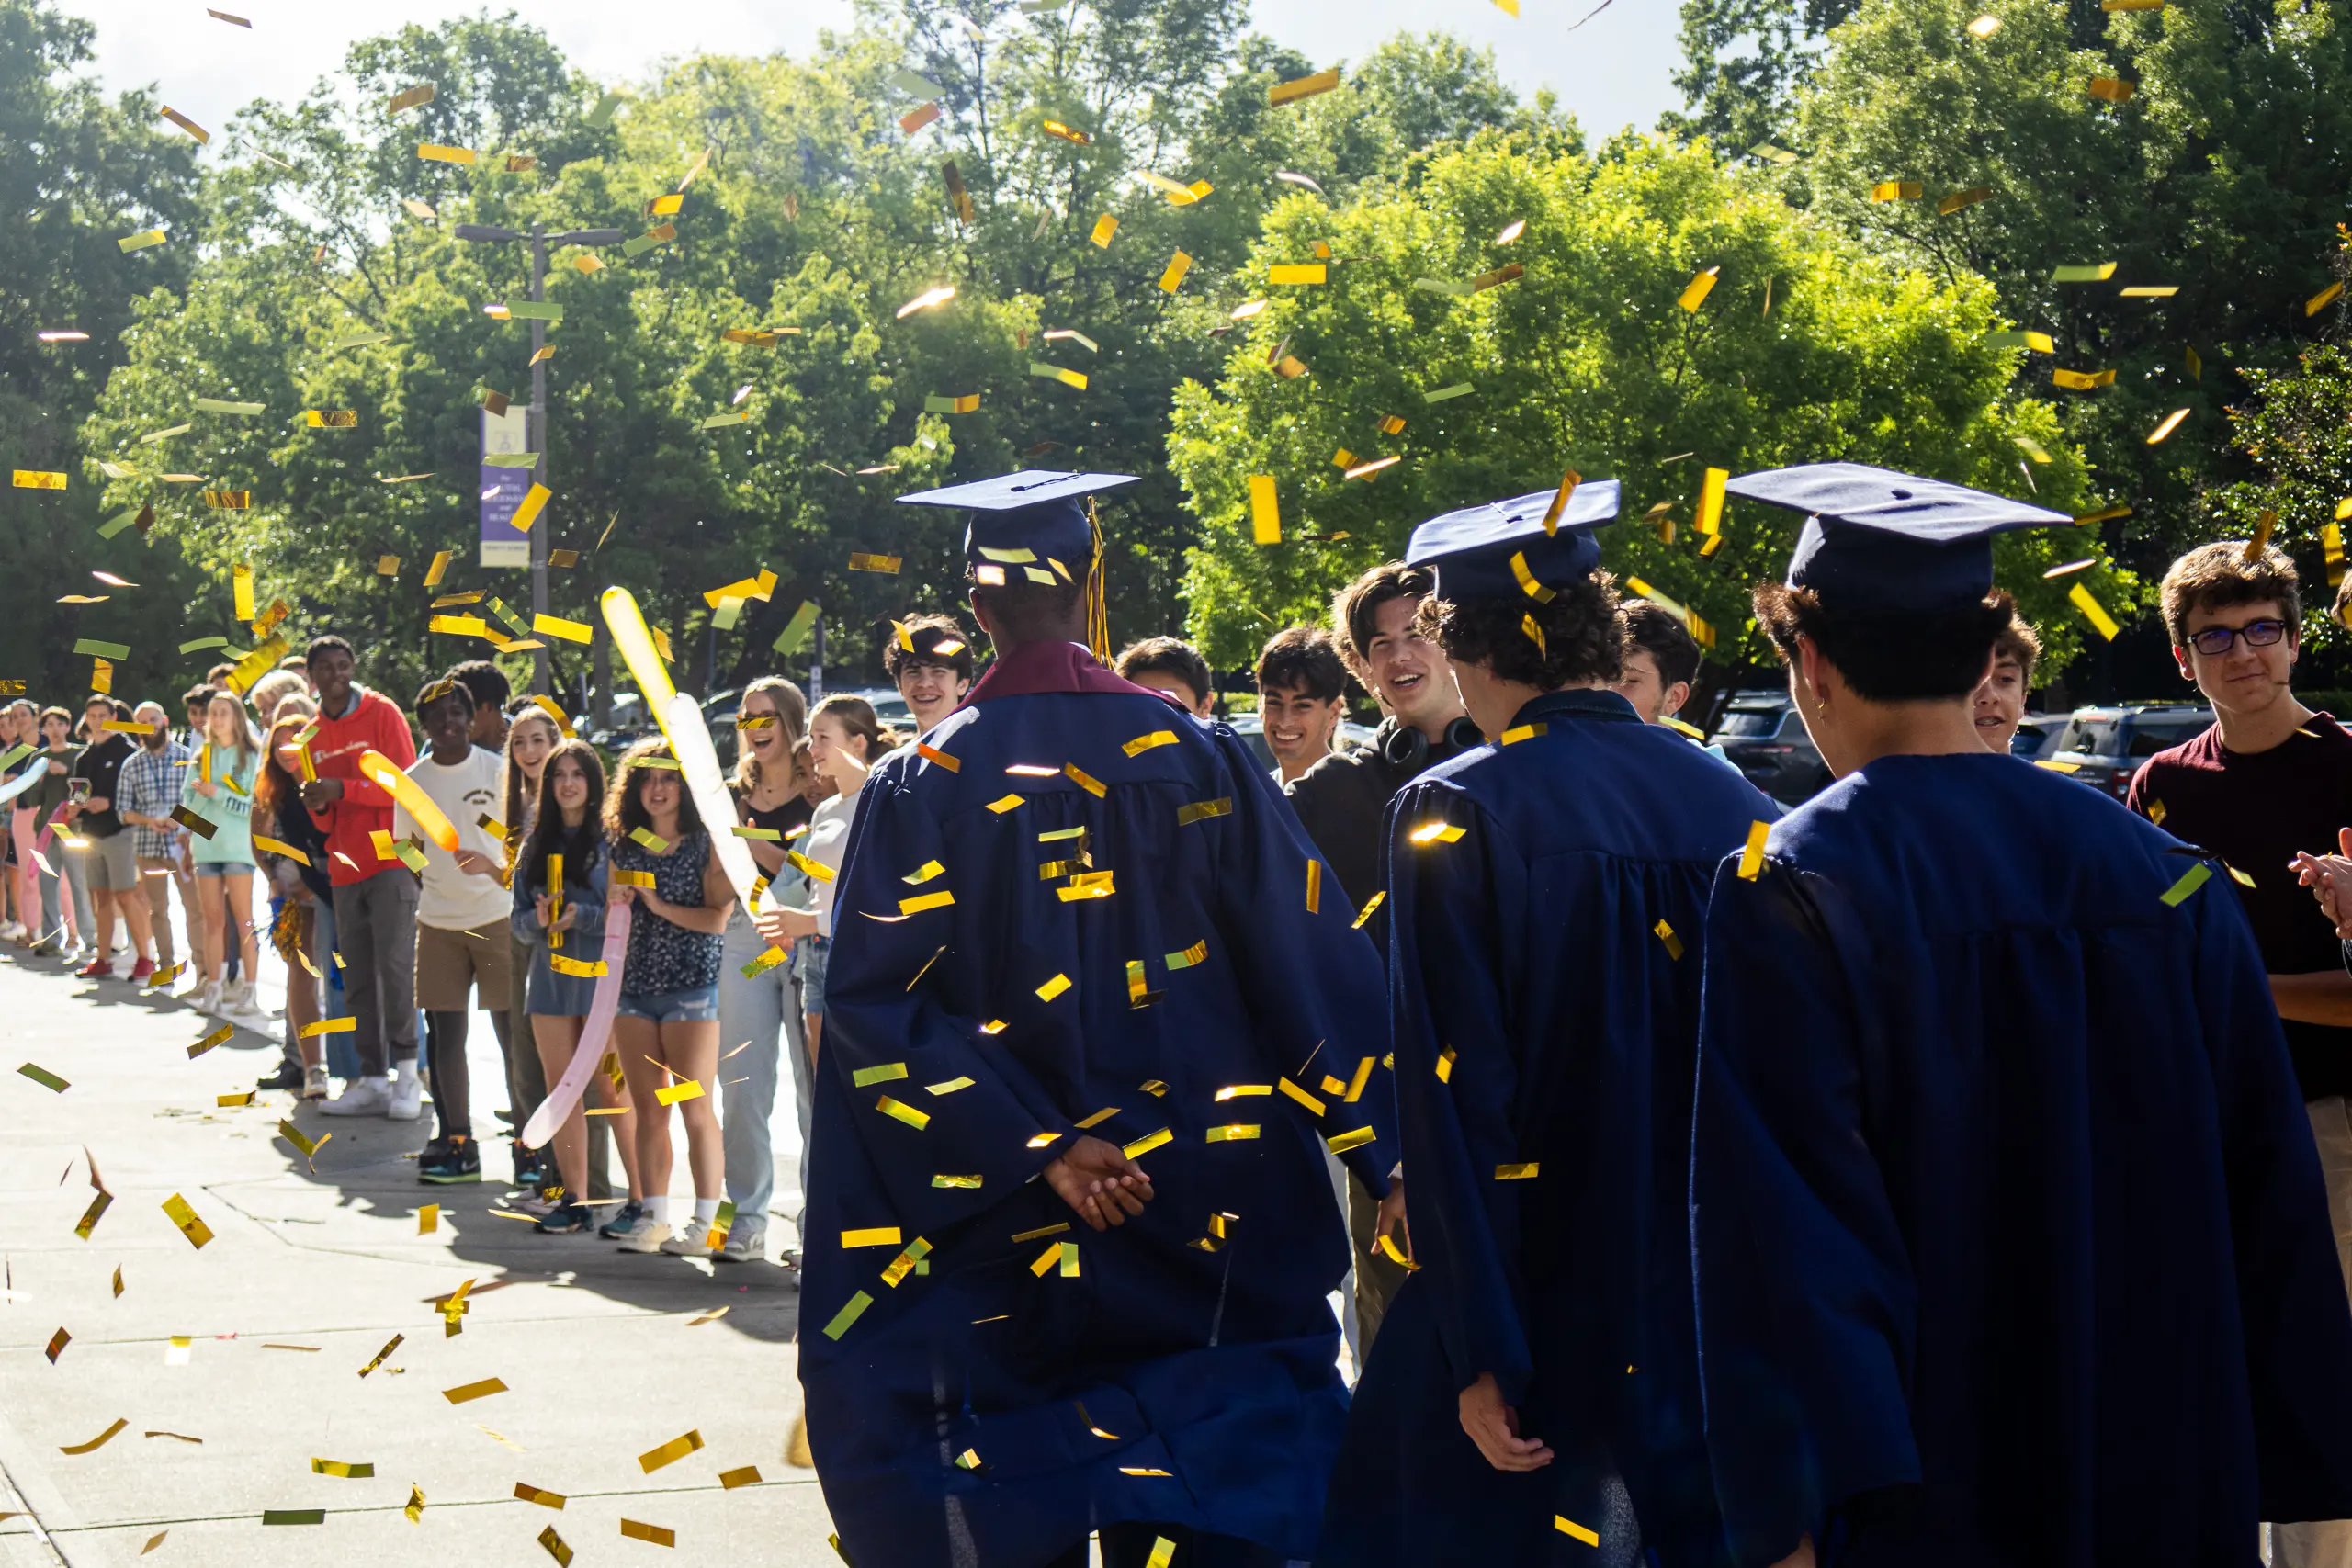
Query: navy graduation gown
x=977 y=1402
x=2011 y=1239
x=1541 y=1019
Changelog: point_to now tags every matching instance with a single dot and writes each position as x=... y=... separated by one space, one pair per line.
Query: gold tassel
x=1098 y=607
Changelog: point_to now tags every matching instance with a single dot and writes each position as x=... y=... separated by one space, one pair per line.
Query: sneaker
x=745 y=1243
x=207 y=1000
x=532 y=1167
x=646 y=1236
x=288 y=1075
x=453 y=1158
x=140 y=970
x=694 y=1241
x=623 y=1219
x=408 y=1103
x=314 y=1083
x=563 y=1220
x=361 y=1096
x=45 y=950
x=96 y=969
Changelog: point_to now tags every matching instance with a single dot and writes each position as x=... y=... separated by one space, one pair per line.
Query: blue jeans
x=342 y=1052
x=766 y=1012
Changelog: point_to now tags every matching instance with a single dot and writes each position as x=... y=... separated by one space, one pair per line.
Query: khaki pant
x=2326 y=1543
x=154 y=877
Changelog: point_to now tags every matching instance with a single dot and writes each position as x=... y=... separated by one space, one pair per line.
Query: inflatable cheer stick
x=384 y=774
x=590 y=1052
x=635 y=641
x=698 y=760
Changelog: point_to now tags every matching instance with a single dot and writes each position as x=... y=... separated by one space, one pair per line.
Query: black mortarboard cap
x=1028 y=519
x=1876 y=539
x=1502 y=549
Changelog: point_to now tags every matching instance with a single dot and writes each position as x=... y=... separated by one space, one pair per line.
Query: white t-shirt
x=451 y=899
x=825 y=843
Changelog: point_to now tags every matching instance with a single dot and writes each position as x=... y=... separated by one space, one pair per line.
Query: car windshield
x=2150 y=735
x=2092 y=737
x=1751 y=721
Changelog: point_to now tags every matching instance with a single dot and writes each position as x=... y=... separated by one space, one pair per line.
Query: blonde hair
x=791 y=711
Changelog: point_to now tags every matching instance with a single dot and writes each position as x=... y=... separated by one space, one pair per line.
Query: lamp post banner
x=503 y=489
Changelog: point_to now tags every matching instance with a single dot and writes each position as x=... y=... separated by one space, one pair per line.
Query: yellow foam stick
x=635 y=641
x=384 y=774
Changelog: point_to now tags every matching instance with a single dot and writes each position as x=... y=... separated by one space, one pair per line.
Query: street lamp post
x=536 y=419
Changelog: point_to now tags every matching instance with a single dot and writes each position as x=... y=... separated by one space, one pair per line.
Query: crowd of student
x=1956 y=1303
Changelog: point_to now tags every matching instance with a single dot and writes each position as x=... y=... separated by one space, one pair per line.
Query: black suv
x=1762 y=735
x=2104 y=747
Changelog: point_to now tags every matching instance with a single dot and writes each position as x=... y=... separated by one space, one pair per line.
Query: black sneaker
x=285 y=1077
x=623 y=1220
x=453 y=1159
x=532 y=1167
x=564 y=1219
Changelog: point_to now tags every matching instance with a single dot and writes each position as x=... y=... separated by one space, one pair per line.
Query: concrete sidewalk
x=308 y=1275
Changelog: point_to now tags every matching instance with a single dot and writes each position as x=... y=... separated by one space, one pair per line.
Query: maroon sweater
x=2254 y=811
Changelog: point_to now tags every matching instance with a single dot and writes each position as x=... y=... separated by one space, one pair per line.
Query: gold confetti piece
x=465 y=1392
x=2321 y=300
x=2083 y=382
x=2240 y=877
x=1570 y=1528
x=293 y=1516
x=1349 y=1140
x=1985 y=27
x=1304 y=88
x=918 y=1120
x=44 y=1077
x=539 y=1494
x=1300 y=1095
x=1517 y=1172
x=2086 y=272
x=409 y=98
x=1435 y=833
x=302 y=1140
x=677 y=1093
x=1035 y=1234
x=89 y=1222
x=140 y=241
x=637 y=1530
x=176 y=1209
x=1665 y=933
x=1163 y=1551
x=1695 y=293
x=415 y=1508
x=1296 y=273
x=743 y=1475
x=435 y=153
x=866 y=1076
x=97 y=1442
x=1751 y=859
x=1233 y=1091
x=1962 y=198
x=847 y=1315
x=2149 y=291
x=2262 y=530
x=1047 y=1259
x=535 y=500
x=428 y=1219
x=391 y=1345
x=157 y=1538
x=330 y=1026
x=1173 y=278
x=1147 y=1143
x=362 y=1471
x=2093 y=612
x=186 y=124
x=1896 y=191
x=1066 y=132
x=556 y=1547
x=57 y=1343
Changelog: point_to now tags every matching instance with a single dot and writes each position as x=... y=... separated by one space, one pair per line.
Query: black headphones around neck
x=1406 y=747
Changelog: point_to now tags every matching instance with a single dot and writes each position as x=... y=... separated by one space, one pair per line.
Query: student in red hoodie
x=375 y=901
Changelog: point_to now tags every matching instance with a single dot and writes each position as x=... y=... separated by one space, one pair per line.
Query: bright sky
x=1611 y=71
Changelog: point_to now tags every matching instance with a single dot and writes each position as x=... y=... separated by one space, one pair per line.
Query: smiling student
x=1999 y=703
x=1302 y=692
x=929 y=659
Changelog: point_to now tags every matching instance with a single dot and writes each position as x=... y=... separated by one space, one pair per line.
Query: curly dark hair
x=1582 y=637
x=1888 y=659
x=625 y=801
x=929 y=633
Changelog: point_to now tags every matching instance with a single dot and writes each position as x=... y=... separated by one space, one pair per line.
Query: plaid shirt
x=152 y=783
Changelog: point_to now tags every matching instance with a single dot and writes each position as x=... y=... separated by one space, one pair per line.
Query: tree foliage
x=1808 y=347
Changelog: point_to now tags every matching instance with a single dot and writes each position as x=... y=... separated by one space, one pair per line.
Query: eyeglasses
x=2215 y=641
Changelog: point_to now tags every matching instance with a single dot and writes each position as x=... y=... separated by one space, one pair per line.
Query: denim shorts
x=224 y=868
x=812 y=956
x=700 y=1005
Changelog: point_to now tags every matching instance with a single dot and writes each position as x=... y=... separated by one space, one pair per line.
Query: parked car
x=2104 y=747
x=2038 y=736
x=1763 y=736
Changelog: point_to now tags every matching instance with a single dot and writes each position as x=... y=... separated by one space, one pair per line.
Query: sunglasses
x=2215 y=641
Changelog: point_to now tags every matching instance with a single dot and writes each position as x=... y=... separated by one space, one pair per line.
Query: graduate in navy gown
x=1094 y=1009
x=1533 y=1395
x=2011 y=1242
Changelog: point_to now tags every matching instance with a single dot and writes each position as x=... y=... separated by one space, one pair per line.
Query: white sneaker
x=646 y=1236
x=694 y=1241
x=314 y=1083
x=408 y=1097
x=361 y=1096
x=207 y=1000
x=745 y=1243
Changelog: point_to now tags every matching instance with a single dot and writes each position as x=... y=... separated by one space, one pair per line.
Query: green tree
x=1589 y=363
x=77 y=174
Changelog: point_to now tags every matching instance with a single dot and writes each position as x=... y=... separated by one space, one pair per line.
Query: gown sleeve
x=2298 y=1333
x=1308 y=974
x=1457 y=1078
x=1805 y=1293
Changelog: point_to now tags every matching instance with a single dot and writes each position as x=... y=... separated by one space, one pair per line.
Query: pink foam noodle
x=564 y=1095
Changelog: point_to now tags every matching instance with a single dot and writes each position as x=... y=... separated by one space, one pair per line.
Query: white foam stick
x=592 y=1034
x=698 y=760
